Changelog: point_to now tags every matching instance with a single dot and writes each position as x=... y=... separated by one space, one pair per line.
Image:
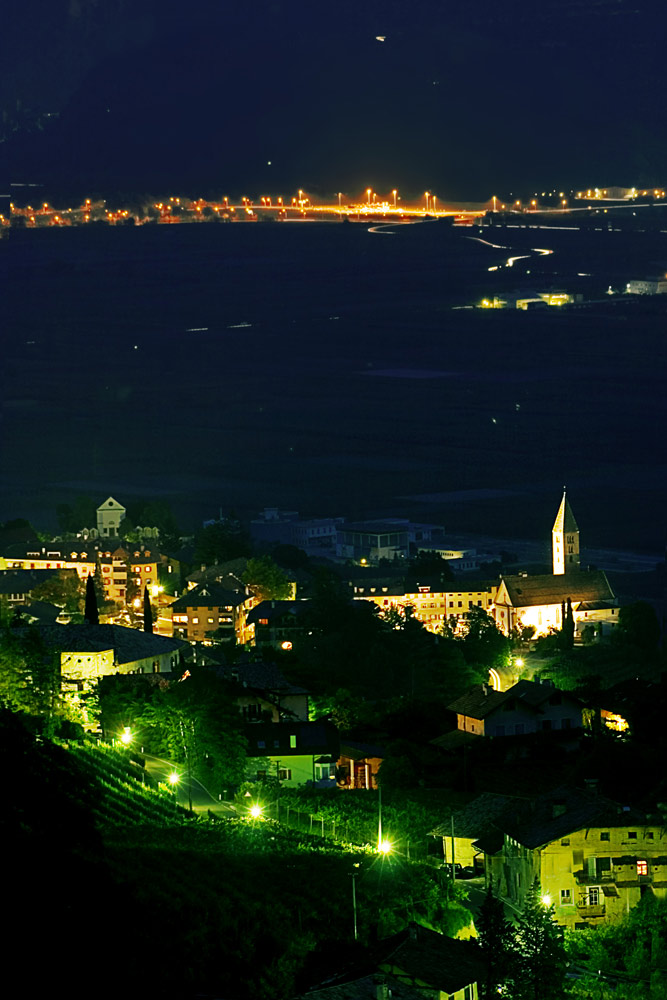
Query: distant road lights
x=427 y=195
x=395 y=194
x=286 y=644
x=368 y=195
x=174 y=778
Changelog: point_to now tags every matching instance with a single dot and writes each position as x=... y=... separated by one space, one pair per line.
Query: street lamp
x=426 y=195
x=395 y=193
x=126 y=736
x=368 y=195
x=546 y=899
x=174 y=778
x=256 y=811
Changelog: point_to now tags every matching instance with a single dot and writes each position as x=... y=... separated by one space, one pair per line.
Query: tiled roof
x=128 y=644
x=564 y=811
x=547 y=588
x=477 y=704
x=259 y=676
x=445 y=964
x=479 y=817
x=209 y=595
x=21 y=581
x=274 y=610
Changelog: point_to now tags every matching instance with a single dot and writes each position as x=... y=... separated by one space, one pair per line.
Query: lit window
x=210 y=621
x=285 y=774
x=263 y=621
x=292 y=740
x=642 y=868
x=195 y=621
x=565 y=897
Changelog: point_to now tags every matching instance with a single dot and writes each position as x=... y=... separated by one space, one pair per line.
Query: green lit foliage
x=483 y=643
x=194 y=722
x=267 y=580
x=64 y=589
x=497 y=940
x=631 y=951
x=30 y=679
x=540 y=968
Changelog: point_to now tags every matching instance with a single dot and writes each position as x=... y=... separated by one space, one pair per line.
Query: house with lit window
x=276 y=623
x=414 y=963
x=358 y=765
x=296 y=753
x=526 y=707
x=432 y=605
x=594 y=858
x=207 y=609
x=261 y=691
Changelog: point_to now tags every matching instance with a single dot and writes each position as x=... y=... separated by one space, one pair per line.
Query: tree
x=266 y=580
x=81 y=514
x=638 y=626
x=483 y=642
x=91 y=614
x=496 y=937
x=220 y=542
x=148 y=612
x=566 y=638
x=541 y=952
x=30 y=678
x=64 y=589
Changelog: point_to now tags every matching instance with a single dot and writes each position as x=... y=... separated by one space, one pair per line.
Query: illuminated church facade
x=539 y=601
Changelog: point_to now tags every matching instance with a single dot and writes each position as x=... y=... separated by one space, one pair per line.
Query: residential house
x=17 y=585
x=297 y=753
x=276 y=623
x=88 y=652
x=263 y=692
x=207 y=609
x=478 y=819
x=594 y=858
x=415 y=963
x=358 y=765
x=526 y=707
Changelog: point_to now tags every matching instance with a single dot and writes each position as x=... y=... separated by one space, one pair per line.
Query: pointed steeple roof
x=565 y=518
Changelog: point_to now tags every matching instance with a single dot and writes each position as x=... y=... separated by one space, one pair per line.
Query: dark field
x=354 y=386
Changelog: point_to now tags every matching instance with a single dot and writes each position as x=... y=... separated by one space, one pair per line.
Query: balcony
x=586 y=910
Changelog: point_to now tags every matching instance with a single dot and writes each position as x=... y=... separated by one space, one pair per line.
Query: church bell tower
x=565 y=540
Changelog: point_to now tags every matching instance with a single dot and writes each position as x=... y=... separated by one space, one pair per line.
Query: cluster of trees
x=193 y=721
x=526 y=961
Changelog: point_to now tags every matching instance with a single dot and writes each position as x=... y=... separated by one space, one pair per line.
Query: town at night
x=332 y=553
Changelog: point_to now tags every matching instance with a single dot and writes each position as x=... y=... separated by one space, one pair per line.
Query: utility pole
x=354 y=902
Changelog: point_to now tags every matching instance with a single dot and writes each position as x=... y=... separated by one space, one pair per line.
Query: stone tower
x=565 y=540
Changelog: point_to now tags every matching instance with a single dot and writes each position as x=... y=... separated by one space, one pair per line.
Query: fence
x=358 y=831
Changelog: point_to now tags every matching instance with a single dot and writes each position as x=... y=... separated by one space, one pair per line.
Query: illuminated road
x=187 y=790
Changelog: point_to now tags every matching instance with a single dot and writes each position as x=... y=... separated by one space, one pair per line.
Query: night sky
x=466 y=99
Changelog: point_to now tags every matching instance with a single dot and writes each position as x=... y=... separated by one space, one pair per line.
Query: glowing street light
x=385 y=847
x=518 y=662
x=174 y=778
x=368 y=195
x=126 y=736
x=427 y=195
x=256 y=811
x=395 y=193
x=546 y=899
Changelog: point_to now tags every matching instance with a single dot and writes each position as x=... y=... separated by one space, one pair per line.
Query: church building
x=538 y=601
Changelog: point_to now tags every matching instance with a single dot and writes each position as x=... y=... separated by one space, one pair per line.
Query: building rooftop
x=483 y=700
x=128 y=644
x=565 y=518
x=547 y=588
